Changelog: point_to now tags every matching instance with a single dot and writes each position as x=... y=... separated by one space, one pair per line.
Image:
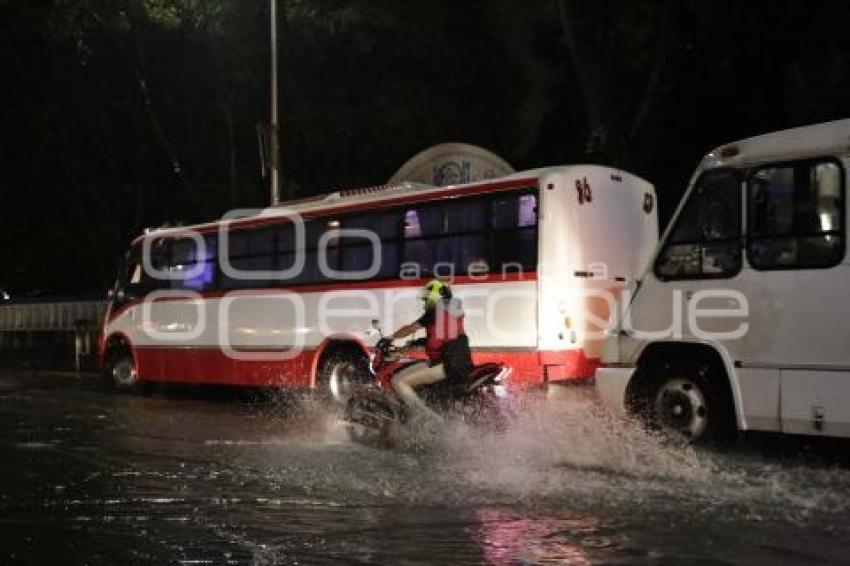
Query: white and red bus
x=288 y=295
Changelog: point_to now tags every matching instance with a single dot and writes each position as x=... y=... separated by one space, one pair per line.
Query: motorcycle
x=375 y=412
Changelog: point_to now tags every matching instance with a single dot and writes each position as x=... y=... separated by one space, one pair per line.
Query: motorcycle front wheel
x=370 y=417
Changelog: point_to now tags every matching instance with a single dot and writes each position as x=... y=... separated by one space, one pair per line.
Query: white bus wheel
x=691 y=404
x=680 y=407
x=341 y=373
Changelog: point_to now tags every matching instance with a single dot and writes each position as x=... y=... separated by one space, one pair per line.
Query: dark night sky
x=121 y=114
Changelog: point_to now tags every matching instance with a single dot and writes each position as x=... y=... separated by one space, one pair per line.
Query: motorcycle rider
x=446 y=345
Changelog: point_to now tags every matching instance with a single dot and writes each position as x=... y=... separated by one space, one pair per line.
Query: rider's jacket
x=446 y=342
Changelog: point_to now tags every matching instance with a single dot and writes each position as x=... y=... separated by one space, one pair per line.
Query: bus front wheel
x=121 y=372
x=690 y=402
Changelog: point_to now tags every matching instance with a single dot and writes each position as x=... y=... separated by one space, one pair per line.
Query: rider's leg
x=405 y=381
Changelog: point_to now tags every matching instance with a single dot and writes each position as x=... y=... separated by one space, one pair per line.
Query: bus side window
x=465 y=241
x=128 y=281
x=417 y=249
x=198 y=265
x=452 y=234
x=795 y=216
x=249 y=251
x=514 y=236
x=284 y=244
x=314 y=229
x=705 y=242
x=357 y=254
x=160 y=260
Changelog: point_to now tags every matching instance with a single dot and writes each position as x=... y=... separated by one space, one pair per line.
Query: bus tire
x=342 y=371
x=690 y=402
x=120 y=371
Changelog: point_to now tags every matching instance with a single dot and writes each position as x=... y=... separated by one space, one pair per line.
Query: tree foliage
x=121 y=114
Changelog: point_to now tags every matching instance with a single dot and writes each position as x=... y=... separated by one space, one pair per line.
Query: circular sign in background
x=452 y=164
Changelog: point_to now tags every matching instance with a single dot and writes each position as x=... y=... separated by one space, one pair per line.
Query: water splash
x=568 y=452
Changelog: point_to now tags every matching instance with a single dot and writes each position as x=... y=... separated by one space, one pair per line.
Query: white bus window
x=795 y=216
x=705 y=241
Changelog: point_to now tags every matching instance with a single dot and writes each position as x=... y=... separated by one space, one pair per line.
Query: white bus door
x=796 y=278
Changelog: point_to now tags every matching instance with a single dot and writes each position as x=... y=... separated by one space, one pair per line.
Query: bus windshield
x=705 y=241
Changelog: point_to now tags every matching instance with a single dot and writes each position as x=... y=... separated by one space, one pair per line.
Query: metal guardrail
x=51 y=317
x=24 y=324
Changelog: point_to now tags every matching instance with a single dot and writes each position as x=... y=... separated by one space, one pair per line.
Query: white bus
x=289 y=296
x=743 y=322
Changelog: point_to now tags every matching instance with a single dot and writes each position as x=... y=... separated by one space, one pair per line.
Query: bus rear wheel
x=341 y=373
x=690 y=402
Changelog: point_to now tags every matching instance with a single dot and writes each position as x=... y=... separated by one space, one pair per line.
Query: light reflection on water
x=508 y=539
x=200 y=481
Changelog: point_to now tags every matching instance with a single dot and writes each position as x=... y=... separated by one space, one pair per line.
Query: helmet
x=434 y=291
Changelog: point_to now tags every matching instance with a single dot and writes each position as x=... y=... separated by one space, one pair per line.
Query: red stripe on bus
x=212 y=365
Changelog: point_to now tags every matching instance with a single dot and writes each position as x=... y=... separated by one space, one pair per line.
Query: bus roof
x=797 y=143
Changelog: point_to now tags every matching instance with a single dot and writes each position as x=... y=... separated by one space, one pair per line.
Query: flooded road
x=90 y=477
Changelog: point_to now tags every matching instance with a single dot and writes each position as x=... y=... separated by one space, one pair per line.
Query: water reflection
x=510 y=539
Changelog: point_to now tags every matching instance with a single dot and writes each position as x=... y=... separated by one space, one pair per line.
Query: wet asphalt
x=186 y=475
